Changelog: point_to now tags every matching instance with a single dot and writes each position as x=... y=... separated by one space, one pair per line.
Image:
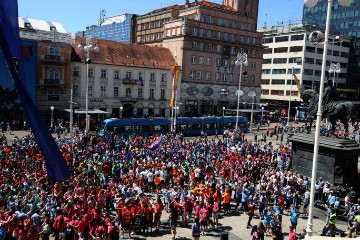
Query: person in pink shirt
x=204 y=215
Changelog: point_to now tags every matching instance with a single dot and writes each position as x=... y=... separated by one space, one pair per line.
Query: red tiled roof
x=192 y=4
x=129 y=54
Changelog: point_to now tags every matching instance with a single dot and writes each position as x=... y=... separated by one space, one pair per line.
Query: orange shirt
x=157 y=180
x=226 y=197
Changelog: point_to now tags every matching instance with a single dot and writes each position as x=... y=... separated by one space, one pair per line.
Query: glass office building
x=118 y=28
x=344 y=21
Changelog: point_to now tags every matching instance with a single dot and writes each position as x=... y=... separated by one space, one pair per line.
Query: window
x=336 y=53
x=297 y=37
x=116 y=74
x=91 y=91
x=268 y=40
x=207 y=76
x=233 y=24
x=218 y=35
x=310 y=49
x=194 y=31
x=217 y=76
x=209 y=34
x=231 y=77
x=202 y=18
x=76 y=72
x=308 y=71
x=218 y=62
x=233 y=51
x=201 y=60
x=163 y=77
x=219 y=48
x=279 y=71
x=219 y=21
x=224 y=77
x=253 y=66
x=282 y=39
x=225 y=36
x=280 y=50
x=209 y=47
x=202 y=46
x=200 y=75
x=116 y=92
x=152 y=77
x=54 y=74
x=252 y=79
x=267 y=61
x=194 y=45
x=53 y=95
x=243 y=26
x=128 y=75
x=226 y=22
x=202 y=32
x=76 y=91
x=192 y=74
x=265 y=81
x=193 y=59
x=296 y=49
x=162 y=94
x=54 y=50
x=91 y=72
x=279 y=60
x=103 y=91
x=128 y=92
x=103 y=73
x=151 y=93
x=265 y=71
x=208 y=61
x=278 y=82
x=140 y=93
x=246 y=79
x=318 y=62
x=211 y=19
x=249 y=27
x=242 y=39
x=232 y=37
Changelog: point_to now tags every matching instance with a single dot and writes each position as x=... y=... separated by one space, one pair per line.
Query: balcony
x=152 y=82
x=52 y=82
x=128 y=99
x=130 y=81
x=163 y=83
x=52 y=59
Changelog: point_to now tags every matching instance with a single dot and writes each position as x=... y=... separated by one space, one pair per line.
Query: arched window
x=54 y=74
x=128 y=92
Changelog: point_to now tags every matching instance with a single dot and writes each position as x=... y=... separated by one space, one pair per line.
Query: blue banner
x=56 y=167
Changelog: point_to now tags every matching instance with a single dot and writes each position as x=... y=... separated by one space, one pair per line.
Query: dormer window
x=54 y=50
x=52 y=28
x=28 y=25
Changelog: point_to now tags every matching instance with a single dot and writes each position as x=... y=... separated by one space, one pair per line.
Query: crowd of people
x=120 y=187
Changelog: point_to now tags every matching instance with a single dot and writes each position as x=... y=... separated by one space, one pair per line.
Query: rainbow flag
x=175 y=73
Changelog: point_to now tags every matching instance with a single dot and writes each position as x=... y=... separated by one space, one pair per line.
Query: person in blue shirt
x=244 y=200
x=279 y=213
x=294 y=216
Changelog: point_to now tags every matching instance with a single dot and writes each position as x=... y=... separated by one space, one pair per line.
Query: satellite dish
x=239 y=91
x=316 y=37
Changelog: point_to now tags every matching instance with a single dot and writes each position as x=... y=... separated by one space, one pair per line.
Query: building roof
x=129 y=54
x=42 y=25
x=192 y=4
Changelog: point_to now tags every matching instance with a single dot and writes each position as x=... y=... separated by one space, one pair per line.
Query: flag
x=175 y=73
x=56 y=167
x=155 y=144
x=297 y=81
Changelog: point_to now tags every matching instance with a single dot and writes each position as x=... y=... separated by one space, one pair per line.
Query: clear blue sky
x=75 y=15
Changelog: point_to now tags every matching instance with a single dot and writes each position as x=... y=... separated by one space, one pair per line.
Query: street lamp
x=87 y=47
x=334 y=68
x=52 y=116
x=71 y=113
x=312 y=3
x=241 y=60
x=223 y=111
x=262 y=114
x=121 y=108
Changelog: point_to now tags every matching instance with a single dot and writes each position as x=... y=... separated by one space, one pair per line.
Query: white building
x=288 y=47
x=124 y=79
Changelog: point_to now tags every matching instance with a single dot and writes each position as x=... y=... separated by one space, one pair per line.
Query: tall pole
x=292 y=75
x=241 y=59
x=71 y=113
x=309 y=228
x=52 y=116
x=87 y=94
x=252 y=113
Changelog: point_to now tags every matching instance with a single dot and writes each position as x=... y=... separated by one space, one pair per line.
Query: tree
x=8 y=99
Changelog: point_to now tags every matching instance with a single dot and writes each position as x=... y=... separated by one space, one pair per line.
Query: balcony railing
x=130 y=81
x=53 y=58
x=128 y=99
x=52 y=82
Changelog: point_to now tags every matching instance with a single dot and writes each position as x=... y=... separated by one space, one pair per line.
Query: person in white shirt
x=151 y=184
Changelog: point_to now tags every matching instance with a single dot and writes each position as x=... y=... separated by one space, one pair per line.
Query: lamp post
x=71 y=113
x=334 y=68
x=121 y=108
x=241 y=60
x=87 y=46
x=52 y=116
x=312 y=3
x=223 y=108
x=262 y=114
x=291 y=83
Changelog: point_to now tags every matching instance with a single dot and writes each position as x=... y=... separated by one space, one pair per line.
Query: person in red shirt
x=204 y=214
x=158 y=212
x=250 y=213
x=126 y=221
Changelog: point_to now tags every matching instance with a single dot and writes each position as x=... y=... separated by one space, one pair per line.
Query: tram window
x=210 y=126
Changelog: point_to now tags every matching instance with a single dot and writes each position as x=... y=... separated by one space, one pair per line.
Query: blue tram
x=187 y=126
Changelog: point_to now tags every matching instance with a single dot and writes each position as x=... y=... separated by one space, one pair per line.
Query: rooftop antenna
x=102 y=16
x=265 y=21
